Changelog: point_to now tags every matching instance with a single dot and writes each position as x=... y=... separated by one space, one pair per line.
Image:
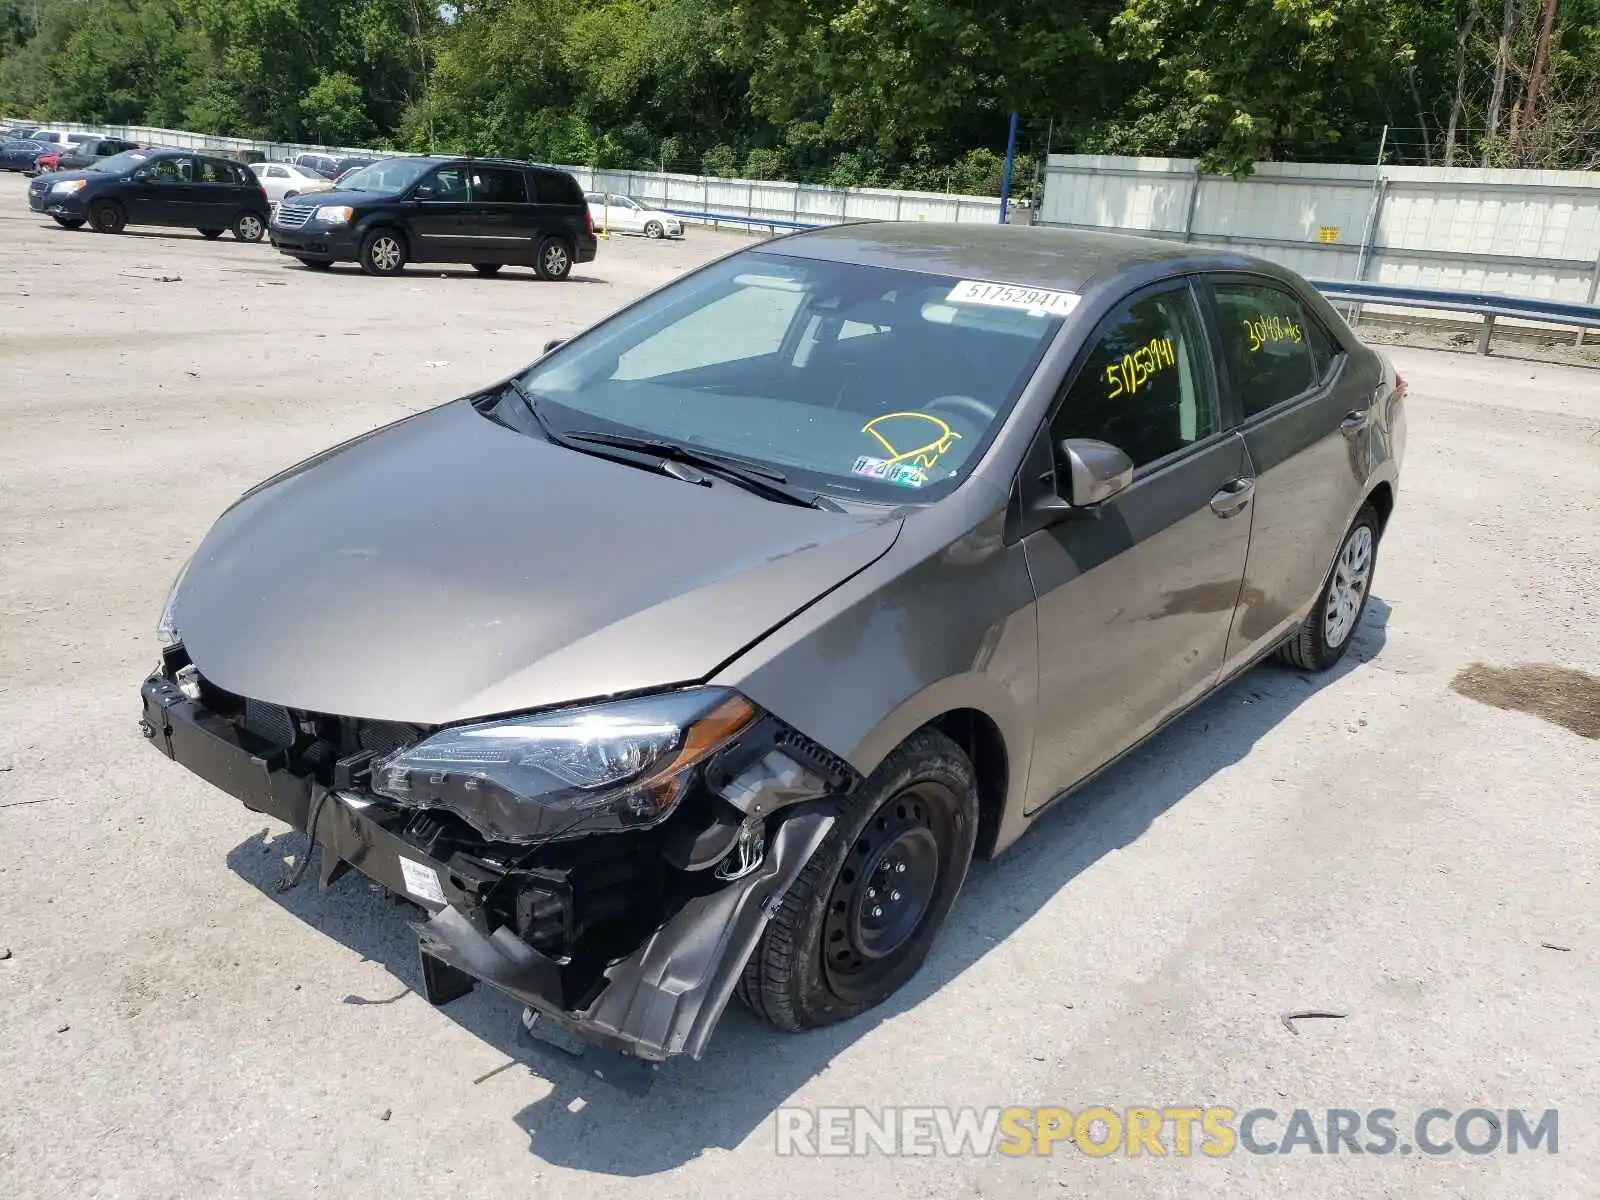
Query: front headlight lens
x=167 y=627
x=333 y=214
x=599 y=769
x=67 y=186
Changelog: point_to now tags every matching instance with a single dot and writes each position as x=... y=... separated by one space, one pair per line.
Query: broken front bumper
x=663 y=999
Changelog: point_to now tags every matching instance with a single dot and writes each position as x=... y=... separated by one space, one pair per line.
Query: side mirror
x=1095 y=471
x=553 y=343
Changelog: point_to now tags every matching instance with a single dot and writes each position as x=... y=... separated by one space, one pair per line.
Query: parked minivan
x=489 y=212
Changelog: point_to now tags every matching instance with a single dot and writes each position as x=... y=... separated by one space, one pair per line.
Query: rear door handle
x=1354 y=422
x=1233 y=499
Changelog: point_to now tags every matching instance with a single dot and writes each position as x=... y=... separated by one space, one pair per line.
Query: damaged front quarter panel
x=665 y=998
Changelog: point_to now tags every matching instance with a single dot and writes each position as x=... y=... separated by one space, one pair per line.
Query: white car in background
x=624 y=214
x=283 y=180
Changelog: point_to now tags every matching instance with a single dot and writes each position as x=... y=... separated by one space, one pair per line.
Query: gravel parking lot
x=1374 y=843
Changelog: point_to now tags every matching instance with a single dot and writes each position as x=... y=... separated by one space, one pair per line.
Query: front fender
x=921 y=633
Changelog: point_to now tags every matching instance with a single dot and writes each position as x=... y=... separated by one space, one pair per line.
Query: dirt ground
x=1376 y=843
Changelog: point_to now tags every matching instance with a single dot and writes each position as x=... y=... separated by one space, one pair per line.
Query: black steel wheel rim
x=885 y=888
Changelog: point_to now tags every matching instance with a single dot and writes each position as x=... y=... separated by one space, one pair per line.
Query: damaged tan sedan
x=701 y=657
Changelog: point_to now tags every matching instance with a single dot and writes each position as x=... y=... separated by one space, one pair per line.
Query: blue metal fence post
x=1005 y=176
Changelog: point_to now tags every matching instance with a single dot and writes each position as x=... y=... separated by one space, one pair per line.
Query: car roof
x=1070 y=259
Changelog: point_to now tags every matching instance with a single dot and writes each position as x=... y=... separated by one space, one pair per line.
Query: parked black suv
x=91 y=151
x=489 y=212
x=156 y=187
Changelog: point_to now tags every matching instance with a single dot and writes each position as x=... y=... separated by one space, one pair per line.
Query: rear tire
x=859 y=921
x=1331 y=625
x=249 y=227
x=487 y=268
x=107 y=217
x=383 y=252
x=212 y=233
x=68 y=222
x=554 y=260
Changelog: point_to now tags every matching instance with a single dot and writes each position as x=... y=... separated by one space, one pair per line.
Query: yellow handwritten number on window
x=1134 y=370
x=1266 y=330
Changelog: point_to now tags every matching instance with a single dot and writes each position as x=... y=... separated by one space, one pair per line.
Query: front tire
x=248 y=227
x=1331 y=625
x=554 y=260
x=654 y=230
x=859 y=921
x=107 y=217
x=212 y=234
x=383 y=252
x=68 y=222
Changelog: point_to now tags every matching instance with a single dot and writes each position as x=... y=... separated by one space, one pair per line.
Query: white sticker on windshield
x=1011 y=295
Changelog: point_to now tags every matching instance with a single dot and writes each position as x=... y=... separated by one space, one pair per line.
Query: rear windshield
x=872 y=383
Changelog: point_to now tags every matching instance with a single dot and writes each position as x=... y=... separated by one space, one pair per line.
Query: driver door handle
x=1233 y=499
x=1354 y=422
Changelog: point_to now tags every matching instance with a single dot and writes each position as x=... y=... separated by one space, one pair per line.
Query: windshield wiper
x=763 y=480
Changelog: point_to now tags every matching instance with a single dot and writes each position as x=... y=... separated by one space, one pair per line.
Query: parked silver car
x=703 y=655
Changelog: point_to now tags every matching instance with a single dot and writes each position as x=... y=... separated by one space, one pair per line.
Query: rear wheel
x=212 y=233
x=107 y=217
x=487 y=268
x=383 y=253
x=859 y=921
x=554 y=260
x=248 y=227
x=68 y=222
x=1331 y=625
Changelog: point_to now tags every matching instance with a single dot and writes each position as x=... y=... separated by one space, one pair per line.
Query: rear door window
x=499 y=185
x=1267 y=344
x=212 y=170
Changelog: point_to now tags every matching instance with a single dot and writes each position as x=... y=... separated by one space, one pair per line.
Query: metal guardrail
x=712 y=218
x=1488 y=305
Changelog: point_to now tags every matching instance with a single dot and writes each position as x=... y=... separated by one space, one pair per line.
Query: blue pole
x=1005 y=178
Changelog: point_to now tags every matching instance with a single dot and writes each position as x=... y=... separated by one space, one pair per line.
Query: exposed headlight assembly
x=167 y=627
x=604 y=768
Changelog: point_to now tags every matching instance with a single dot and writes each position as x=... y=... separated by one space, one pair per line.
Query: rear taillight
x=588 y=218
x=1400 y=385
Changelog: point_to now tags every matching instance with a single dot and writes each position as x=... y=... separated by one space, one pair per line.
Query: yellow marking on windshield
x=924 y=456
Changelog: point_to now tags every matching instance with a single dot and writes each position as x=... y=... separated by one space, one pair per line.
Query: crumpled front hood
x=446 y=568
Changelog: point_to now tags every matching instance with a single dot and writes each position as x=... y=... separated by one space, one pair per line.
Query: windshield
x=125 y=161
x=393 y=175
x=866 y=382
